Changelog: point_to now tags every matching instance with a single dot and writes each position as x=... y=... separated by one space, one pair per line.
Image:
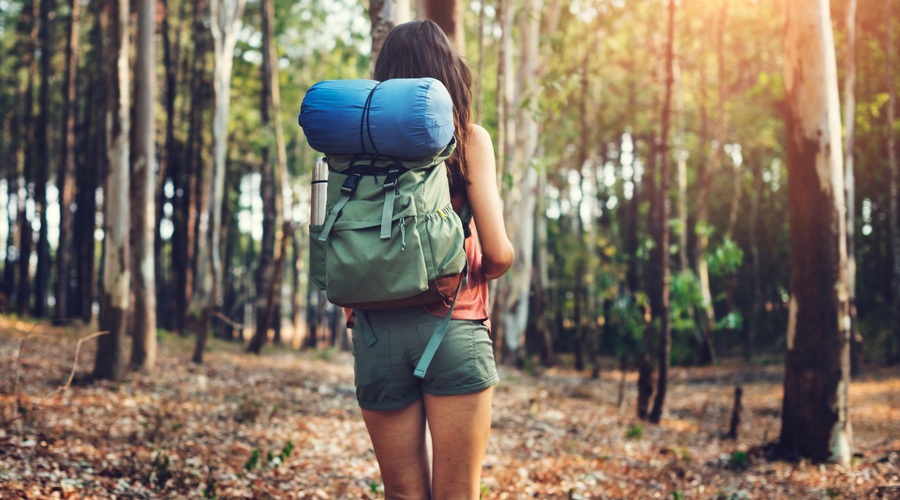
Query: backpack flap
x=391 y=237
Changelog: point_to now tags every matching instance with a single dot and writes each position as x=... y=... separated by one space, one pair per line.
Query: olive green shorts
x=463 y=363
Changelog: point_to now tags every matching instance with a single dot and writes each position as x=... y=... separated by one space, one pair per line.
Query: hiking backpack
x=390 y=238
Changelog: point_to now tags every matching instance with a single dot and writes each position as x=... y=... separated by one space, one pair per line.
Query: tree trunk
x=753 y=328
x=644 y=386
x=166 y=310
x=894 y=175
x=42 y=141
x=384 y=15
x=814 y=420
x=225 y=23
x=270 y=188
x=542 y=330
x=91 y=166
x=184 y=241
x=450 y=16
x=143 y=219
x=681 y=156
x=65 y=176
x=521 y=137
x=14 y=175
x=660 y=291
x=114 y=303
x=23 y=293
x=849 y=93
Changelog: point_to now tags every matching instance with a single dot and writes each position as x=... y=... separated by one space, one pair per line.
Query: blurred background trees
x=610 y=131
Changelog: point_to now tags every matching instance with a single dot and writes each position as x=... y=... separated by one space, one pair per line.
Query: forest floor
x=286 y=425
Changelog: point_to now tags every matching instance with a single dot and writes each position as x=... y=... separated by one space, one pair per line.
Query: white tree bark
x=116 y=298
x=384 y=15
x=143 y=353
x=815 y=420
x=521 y=143
x=224 y=23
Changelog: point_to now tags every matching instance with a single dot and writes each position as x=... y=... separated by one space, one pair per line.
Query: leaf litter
x=286 y=425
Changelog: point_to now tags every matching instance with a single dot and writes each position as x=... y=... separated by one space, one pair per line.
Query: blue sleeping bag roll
x=402 y=118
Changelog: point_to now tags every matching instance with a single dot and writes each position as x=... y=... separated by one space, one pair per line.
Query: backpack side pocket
x=316 y=256
x=445 y=253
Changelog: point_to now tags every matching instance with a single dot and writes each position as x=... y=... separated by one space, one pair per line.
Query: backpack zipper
x=403 y=234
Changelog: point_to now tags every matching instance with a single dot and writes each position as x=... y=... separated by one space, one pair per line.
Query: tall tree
x=273 y=168
x=814 y=419
x=450 y=16
x=90 y=167
x=26 y=236
x=384 y=15
x=42 y=176
x=115 y=300
x=894 y=174
x=65 y=175
x=520 y=149
x=168 y=163
x=659 y=290
x=226 y=22
x=849 y=92
x=143 y=216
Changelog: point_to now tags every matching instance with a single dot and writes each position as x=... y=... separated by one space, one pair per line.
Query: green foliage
x=634 y=431
x=253 y=461
x=738 y=460
x=731 y=321
x=626 y=324
x=684 y=297
x=725 y=258
x=677 y=495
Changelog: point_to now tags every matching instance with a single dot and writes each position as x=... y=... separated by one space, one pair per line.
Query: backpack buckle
x=350 y=184
x=392 y=179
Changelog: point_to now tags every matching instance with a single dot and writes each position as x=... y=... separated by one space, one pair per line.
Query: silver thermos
x=319 y=192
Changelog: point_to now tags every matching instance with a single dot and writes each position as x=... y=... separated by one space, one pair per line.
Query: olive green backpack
x=390 y=239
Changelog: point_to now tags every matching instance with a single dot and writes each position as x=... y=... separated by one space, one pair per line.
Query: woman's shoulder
x=480 y=139
x=477 y=132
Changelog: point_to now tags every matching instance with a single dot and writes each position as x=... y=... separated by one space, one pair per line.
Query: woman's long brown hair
x=419 y=49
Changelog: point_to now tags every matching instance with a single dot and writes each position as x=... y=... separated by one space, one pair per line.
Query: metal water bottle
x=319 y=195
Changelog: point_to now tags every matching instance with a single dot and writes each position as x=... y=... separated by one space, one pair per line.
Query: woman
x=455 y=396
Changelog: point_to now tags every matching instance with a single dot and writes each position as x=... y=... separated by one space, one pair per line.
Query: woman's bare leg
x=398 y=437
x=459 y=430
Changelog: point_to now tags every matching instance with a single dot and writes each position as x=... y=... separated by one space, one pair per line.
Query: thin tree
x=115 y=300
x=65 y=175
x=143 y=219
x=659 y=296
x=450 y=16
x=384 y=15
x=849 y=94
x=226 y=22
x=268 y=277
x=89 y=168
x=894 y=175
x=42 y=167
x=814 y=418
x=26 y=236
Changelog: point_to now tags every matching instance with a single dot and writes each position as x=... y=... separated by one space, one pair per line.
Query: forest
x=702 y=197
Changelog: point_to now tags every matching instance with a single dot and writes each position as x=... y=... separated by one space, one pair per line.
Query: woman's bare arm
x=484 y=200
